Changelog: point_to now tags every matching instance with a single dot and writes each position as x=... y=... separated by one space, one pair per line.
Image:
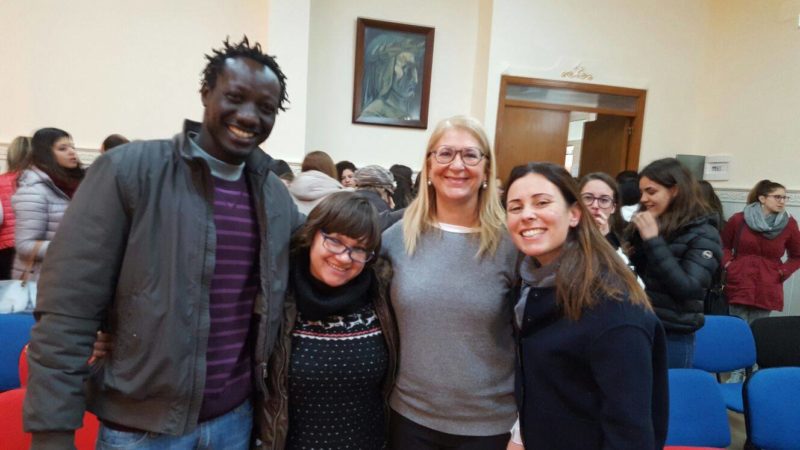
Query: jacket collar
x=257 y=163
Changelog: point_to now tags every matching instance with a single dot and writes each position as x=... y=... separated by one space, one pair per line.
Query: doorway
x=584 y=127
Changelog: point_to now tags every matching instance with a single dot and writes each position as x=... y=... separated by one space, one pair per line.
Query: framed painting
x=392 y=74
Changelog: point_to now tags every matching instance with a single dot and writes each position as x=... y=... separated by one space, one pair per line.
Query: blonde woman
x=453 y=269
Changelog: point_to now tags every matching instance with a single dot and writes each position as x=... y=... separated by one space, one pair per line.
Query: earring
x=430 y=183
x=484 y=186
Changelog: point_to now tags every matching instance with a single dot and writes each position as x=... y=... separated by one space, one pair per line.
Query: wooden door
x=530 y=134
x=605 y=145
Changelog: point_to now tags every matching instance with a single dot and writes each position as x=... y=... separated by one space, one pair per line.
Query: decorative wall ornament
x=578 y=72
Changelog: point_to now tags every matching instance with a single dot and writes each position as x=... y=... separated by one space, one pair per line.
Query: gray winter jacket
x=38 y=206
x=136 y=251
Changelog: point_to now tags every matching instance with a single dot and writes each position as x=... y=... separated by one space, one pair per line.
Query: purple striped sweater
x=233 y=291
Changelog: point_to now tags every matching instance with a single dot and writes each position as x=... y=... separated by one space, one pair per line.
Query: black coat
x=678 y=271
x=596 y=383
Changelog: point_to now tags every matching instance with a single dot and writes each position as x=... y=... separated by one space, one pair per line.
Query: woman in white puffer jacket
x=43 y=194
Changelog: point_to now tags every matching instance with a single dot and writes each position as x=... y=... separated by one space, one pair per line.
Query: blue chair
x=15 y=332
x=772 y=408
x=697 y=413
x=724 y=344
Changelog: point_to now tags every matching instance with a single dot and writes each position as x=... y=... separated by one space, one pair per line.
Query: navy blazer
x=596 y=383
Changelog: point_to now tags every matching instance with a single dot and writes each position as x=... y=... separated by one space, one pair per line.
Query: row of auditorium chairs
x=768 y=398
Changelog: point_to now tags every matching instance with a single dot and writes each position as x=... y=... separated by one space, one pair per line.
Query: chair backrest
x=724 y=344
x=15 y=332
x=697 y=412
x=23 y=366
x=772 y=415
x=12 y=436
x=777 y=341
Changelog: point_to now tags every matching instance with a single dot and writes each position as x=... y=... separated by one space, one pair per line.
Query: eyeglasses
x=603 y=201
x=471 y=156
x=335 y=246
x=780 y=198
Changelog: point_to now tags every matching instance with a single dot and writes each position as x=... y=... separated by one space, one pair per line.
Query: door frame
x=635 y=142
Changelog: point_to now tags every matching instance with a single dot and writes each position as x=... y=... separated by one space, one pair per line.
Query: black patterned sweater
x=336 y=379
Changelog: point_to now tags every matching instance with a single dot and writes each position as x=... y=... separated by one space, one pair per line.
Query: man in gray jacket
x=179 y=248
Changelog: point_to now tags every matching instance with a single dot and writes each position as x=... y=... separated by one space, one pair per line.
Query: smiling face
x=455 y=182
x=332 y=269
x=771 y=203
x=656 y=198
x=240 y=110
x=64 y=153
x=538 y=217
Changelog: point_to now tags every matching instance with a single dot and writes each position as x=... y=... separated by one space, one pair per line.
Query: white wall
x=330 y=79
x=95 y=68
x=751 y=91
x=646 y=44
x=288 y=38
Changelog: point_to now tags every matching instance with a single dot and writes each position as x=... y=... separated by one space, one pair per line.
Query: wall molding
x=738 y=195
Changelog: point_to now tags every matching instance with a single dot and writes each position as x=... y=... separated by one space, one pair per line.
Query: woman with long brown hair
x=44 y=192
x=592 y=361
x=676 y=249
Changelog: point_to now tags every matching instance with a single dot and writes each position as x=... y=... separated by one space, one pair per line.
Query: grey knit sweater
x=456 y=371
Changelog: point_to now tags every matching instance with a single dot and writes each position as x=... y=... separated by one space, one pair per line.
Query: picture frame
x=392 y=79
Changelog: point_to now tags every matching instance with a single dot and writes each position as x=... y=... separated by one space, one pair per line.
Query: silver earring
x=485 y=185
x=430 y=183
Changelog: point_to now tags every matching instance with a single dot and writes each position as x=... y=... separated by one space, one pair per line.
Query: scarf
x=533 y=275
x=770 y=226
x=67 y=185
x=316 y=300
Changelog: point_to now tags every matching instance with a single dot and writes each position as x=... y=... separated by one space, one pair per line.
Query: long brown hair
x=688 y=203
x=585 y=253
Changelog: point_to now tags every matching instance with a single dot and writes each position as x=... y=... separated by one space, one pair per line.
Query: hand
x=102 y=347
x=602 y=223
x=646 y=224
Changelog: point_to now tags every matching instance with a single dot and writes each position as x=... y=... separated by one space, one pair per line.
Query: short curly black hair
x=241 y=49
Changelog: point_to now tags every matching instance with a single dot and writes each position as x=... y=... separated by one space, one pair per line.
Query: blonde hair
x=18 y=154
x=420 y=216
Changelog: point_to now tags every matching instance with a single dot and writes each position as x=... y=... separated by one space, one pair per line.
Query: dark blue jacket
x=596 y=383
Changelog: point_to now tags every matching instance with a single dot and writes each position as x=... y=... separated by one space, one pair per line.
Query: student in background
x=316 y=181
x=345 y=171
x=45 y=190
x=114 y=140
x=675 y=248
x=17 y=159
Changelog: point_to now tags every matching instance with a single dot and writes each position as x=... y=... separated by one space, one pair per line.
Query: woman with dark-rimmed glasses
x=600 y=194
x=453 y=268
x=333 y=366
x=754 y=242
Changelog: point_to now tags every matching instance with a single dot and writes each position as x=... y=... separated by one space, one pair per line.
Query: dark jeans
x=680 y=350
x=407 y=435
